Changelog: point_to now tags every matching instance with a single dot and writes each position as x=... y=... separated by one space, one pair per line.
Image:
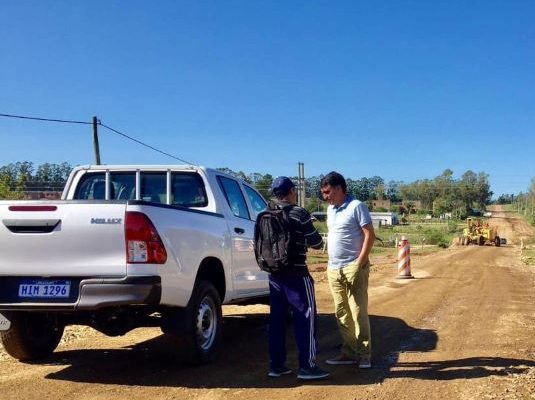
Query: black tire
x=206 y=322
x=467 y=241
x=32 y=336
x=481 y=241
x=497 y=241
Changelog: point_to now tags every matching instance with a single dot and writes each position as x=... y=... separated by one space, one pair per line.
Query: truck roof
x=150 y=167
x=141 y=166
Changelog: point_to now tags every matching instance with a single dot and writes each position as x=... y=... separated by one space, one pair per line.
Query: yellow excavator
x=479 y=232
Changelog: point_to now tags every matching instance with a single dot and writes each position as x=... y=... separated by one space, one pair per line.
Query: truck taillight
x=143 y=244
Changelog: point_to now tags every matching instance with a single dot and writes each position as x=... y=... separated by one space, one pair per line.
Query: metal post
x=95 y=141
x=301 y=185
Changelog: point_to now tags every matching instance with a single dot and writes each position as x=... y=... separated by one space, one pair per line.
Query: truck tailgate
x=62 y=238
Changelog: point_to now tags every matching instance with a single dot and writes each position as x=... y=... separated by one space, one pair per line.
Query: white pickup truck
x=128 y=247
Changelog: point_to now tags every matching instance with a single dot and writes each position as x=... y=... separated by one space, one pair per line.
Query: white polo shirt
x=345 y=237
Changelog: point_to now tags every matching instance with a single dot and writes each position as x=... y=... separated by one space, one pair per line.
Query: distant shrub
x=433 y=236
x=452 y=227
x=396 y=209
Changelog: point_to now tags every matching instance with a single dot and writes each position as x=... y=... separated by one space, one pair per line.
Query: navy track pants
x=295 y=293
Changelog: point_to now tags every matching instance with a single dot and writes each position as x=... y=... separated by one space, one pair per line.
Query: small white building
x=384 y=218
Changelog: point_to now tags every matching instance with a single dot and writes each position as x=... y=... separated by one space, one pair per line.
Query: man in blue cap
x=293 y=289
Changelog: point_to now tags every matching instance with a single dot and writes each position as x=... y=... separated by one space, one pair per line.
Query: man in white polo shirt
x=350 y=241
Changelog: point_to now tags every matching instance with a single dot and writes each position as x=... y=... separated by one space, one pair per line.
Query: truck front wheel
x=32 y=336
x=206 y=322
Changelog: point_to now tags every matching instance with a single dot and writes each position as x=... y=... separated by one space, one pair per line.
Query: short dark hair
x=280 y=195
x=333 y=179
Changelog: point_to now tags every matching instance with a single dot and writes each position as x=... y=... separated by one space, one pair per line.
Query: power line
x=45 y=119
x=101 y=124
x=144 y=144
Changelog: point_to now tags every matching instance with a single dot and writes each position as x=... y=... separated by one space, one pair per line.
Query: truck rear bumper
x=97 y=293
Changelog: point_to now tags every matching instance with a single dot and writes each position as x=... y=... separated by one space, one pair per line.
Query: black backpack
x=272 y=238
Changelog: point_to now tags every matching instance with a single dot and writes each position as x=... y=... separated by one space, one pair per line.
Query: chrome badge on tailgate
x=111 y=221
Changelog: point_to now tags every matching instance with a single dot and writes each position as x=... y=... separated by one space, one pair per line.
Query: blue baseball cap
x=281 y=185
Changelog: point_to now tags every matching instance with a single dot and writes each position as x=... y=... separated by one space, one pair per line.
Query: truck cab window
x=234 y=196
x=188 y=190
x=257 y=202
x=154 y=187
x=92 y=186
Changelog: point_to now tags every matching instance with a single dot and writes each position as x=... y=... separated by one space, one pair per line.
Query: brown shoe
x=342 y=359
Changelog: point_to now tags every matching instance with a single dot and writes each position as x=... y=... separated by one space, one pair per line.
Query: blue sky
x=398 y=89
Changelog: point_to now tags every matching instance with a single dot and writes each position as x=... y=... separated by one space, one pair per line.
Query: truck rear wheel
x=206 y=318
x=32 y=336
x=481 y=241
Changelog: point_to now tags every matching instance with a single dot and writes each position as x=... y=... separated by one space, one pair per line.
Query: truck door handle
x=239 y=231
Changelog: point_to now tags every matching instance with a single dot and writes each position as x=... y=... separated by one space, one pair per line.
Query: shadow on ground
x=243 y=362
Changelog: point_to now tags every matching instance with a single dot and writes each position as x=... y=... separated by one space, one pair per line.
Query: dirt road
x=464 y=328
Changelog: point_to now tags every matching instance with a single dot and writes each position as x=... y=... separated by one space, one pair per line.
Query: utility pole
x=95 y=141
x=301 y=185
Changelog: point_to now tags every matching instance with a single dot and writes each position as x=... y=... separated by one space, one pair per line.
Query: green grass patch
x=420 y=234
x=321 y=226
x=379 y=250
x=439 y=234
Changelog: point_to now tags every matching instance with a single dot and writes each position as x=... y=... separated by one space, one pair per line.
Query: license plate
x=45 y=289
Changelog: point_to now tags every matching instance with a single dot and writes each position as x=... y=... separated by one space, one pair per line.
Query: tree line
x=442 y=194
x=16 y=178
x=524 y=203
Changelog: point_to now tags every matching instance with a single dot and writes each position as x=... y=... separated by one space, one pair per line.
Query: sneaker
x=342 y=359
x=276 y=372
x=312 y=373
x=365 y=361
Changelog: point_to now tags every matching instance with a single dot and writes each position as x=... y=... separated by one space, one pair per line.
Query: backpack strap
x=286 y=215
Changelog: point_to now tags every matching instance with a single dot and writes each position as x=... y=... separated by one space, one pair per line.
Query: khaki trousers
x=349 y=288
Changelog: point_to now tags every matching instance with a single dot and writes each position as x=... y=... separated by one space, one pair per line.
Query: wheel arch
x=211 y=270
